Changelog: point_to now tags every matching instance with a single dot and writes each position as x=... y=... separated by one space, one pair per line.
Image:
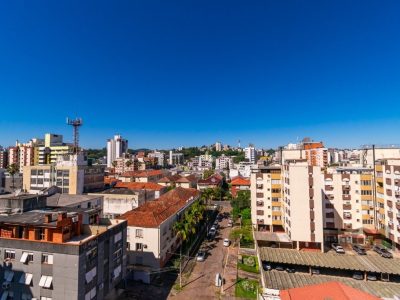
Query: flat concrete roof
x=366 y=263
x=281 y=280
x=68 y=200
x=279 y=237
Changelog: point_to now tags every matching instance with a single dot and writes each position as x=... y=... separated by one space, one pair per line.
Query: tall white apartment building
x=218 y=146
x=160 y=157
x=223 y=162
x=250 y=154
x=115 y=148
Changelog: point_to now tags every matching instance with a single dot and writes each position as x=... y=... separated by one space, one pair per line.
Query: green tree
x=207 y=173
x=12 y=170
x=129 y=163
x=114 y=163
x=206 y=195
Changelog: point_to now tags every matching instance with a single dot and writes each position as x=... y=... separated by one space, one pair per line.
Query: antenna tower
x=75 y=124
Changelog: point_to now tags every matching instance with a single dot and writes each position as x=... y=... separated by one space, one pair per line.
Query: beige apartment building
x=266 y=197
x=388 y=199
x=348 y=204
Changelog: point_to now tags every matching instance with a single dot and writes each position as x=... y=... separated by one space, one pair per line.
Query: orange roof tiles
x=145 y=173
x=109 y=180
x=330 y=290
x=240 y=181
x=140 y=186
x=153 y=213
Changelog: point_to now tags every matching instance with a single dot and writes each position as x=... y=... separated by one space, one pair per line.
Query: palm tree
x=206 y=195
x=180 y=229
x=12 y=170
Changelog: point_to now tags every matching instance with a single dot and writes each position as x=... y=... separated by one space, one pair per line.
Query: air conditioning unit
x=6 y=285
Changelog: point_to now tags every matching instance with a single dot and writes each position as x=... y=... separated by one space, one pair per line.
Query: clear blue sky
x=179 y=73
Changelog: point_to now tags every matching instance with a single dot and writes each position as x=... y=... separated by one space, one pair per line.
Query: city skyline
x=185 y=74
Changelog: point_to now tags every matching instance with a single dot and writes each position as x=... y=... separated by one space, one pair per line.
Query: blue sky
x=179 y=73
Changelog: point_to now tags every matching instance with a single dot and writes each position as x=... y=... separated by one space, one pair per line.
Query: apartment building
x=348 y=204
x=71 y=173
x=115 y=148
x=160 y=156
x=316 y=154
x=388 y=199
x=53 y=147
x=250 y=154
x=218 y=146
x=3 y=158
x=151 y=238
x=223 y=162
x=302 y=205
x=63 y=253
x=266 y=199
x=117 y=201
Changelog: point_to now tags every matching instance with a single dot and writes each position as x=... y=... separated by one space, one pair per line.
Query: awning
x=42 y=280
x=4 y=296
x=49 y=280
x=50 y=259
x=26 y=278
x=24 y=257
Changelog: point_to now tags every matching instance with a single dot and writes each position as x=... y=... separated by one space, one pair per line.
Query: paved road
x=200 y=284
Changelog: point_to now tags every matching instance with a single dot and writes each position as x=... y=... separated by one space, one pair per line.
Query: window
x=47 y=258
x=26 y=257
x=39 y=234
x=139 y=233
x=366 y=192
x=139 y=247
x=9 y=254
x=46 y=281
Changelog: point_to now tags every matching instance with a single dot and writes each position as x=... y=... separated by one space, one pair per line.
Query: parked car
x=227 y=242
x=216 y=225
x=212 y=232
x=279 y=268
x=358 y=276
x=337 y=248
x=371 y=277
x=359 y=250
x=382 y=251
x=290 y=270
x=201 y=256
x=315 y=271
x=266 y=266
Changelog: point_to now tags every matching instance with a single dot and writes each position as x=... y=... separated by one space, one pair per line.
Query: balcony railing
x=346 y=206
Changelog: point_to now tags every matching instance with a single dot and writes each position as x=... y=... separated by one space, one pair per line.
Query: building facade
x=115 y=148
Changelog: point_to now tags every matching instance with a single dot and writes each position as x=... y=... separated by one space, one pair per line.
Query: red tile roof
x=172 y=178
x=240 y=181
x=140 y=186
x=215 y=179
x=190 y=178
x=145 y=173
x=153 y=213
x=108 y=180
x=330 y=290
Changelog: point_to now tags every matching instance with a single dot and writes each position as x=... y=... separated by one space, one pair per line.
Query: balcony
x=260 y=221
x=312 y=215
x=260 y=195
x=348 y=226
x=346 y=206
x=312 y=204
x=398 y=216
x=397 y=194
x=398 y=205
x=312 y=226
x=390 y=214
x=389 y=203
x=328 y=188
x=346 y=197
x=346 y=187
x=311 y=193
x=398 y=228
x=259 y=186
x=329 y=197
x=347 y=216
x=260 y=203
x=260 y=212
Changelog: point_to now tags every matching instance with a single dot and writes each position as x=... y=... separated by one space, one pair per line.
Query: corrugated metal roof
x=333 y=261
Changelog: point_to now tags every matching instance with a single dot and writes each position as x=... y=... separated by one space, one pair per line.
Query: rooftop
x=153 y=213
x=145 y=173
x=240 y=181
x=330 y=290
x=214 y=179
x=120 y=191
x=139 y=186
x=333 y=261
x=68 y=200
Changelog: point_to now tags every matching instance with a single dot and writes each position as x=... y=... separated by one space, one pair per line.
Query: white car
x=337 y=248
x=201 y=256
x=227 y=242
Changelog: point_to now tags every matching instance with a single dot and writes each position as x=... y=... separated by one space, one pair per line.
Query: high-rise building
x=250 y=154
x=115 y=148
x=223 y=162
x=218 y=146
x=3 y=158
x=53 y=146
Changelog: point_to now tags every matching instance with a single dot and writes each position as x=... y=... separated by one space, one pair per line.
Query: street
x=201 y=282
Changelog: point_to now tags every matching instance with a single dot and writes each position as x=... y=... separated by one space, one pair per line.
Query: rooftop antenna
x=238 y=143
x=75 y=124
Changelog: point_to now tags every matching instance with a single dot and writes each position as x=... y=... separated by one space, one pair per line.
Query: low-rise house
x=75 y=201
x=211 y=182
x=151 y=237
x=239 y=184
x=142 y=176
x=177 y=180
